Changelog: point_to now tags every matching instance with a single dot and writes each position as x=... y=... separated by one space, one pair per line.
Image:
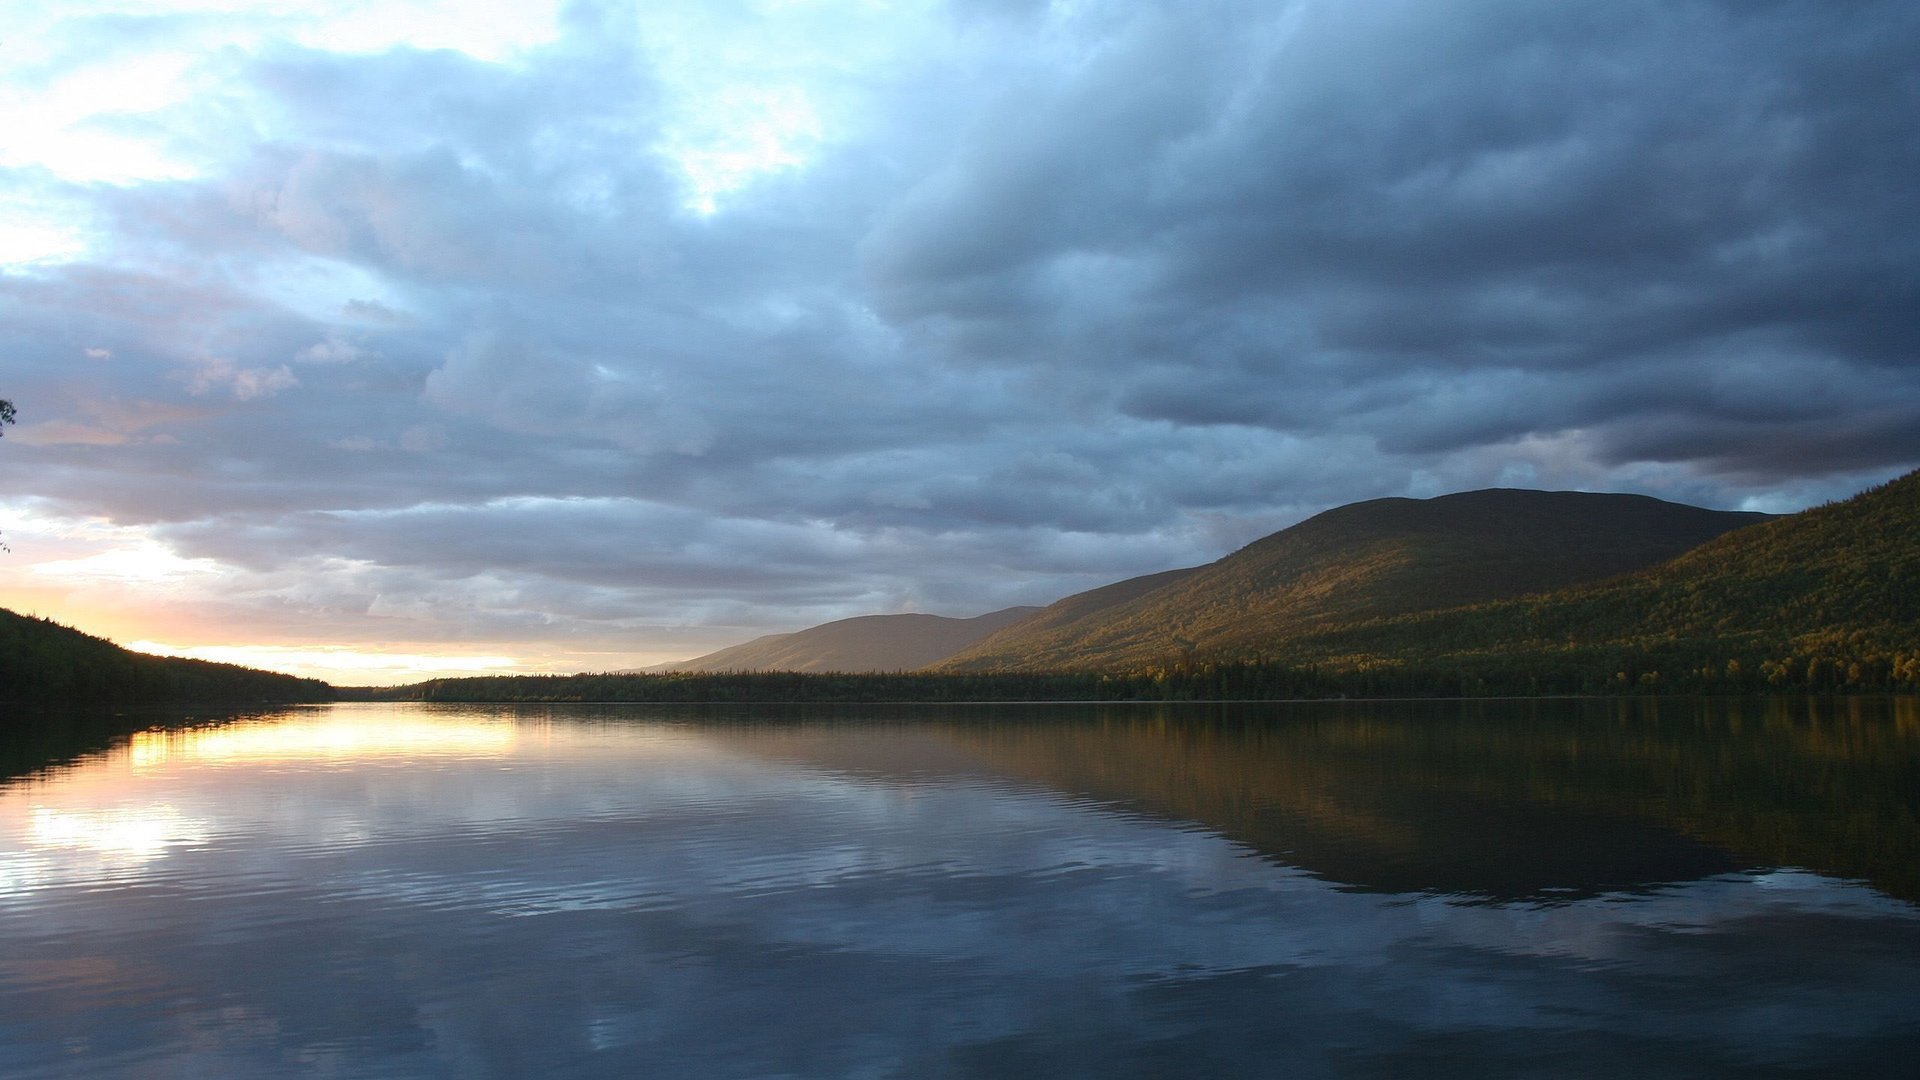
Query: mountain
x=867 y=643
x=1362 y=562
x=1064 y=613
x=41 y=660
x=1827 y=597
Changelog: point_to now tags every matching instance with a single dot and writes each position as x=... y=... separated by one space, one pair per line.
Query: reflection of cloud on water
x=1058 y=917
x=1026 y=883
x=693 y=900
x=132 y=833
x=59 y=844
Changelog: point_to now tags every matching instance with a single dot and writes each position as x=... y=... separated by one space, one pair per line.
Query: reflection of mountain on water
x=1521 y=799
x=1505 y=851
x=1516 y=799
x=1377 y=804
x=37 y=737
x=1511 y=799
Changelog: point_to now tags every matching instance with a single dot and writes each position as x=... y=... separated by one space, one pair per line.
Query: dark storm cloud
x=1481 y=192
x=1075 y=292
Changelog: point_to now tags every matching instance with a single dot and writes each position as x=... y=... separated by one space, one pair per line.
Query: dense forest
x=41 y=660
x=1244 y=680
x=1596 y=672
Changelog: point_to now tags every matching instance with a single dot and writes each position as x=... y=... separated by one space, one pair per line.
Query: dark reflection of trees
x=38 y=738
x=1535 y=799
x=1510 y=799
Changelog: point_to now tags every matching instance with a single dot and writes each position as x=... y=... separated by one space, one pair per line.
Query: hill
x=1358 y=563
x=1826 y=598
x=1062 y=614
x=866 y=643
x=43 y=661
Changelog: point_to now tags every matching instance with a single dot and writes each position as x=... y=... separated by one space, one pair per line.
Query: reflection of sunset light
x=332 y=739
x=141 y=833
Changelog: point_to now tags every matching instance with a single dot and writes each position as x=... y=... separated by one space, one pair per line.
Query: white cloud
x=24 y=243
x=73 y=124
x=749 y=132
x=244 y=383
x=334 y=350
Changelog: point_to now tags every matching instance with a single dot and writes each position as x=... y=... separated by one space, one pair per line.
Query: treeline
x=1248 y=681
x=43 y=661
x=1675 y=670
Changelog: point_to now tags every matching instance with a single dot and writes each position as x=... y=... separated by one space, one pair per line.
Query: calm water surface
x=1482 y=889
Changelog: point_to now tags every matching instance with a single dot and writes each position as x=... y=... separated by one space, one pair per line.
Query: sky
x=382 y=340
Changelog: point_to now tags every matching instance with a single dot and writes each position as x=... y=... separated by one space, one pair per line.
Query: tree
x=6 y=417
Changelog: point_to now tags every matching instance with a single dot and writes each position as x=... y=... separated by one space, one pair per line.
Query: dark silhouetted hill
x=43 y=661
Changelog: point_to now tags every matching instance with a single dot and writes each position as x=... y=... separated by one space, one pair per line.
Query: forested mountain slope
x=1835 y=586
x=41 y=660
x=1062 y=615
x=1358 y=563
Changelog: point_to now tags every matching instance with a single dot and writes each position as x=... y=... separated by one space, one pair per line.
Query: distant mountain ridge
x=1360 y=562
x=863 y=644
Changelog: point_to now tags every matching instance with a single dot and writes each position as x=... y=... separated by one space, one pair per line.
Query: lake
x=1515 y=888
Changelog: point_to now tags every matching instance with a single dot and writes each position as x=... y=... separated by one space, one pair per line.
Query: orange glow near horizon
x=125 y=584
x=344 y=665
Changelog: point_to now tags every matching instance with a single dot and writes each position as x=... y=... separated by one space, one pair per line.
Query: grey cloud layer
x=1570 y=219
x=1133 y=283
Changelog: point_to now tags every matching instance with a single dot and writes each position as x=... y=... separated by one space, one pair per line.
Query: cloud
x=528 y=389
x=111 y=423
x=244 y=383
x=1002 y=300
x=1389 y=197
x=334 y=350
x=373 y=311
